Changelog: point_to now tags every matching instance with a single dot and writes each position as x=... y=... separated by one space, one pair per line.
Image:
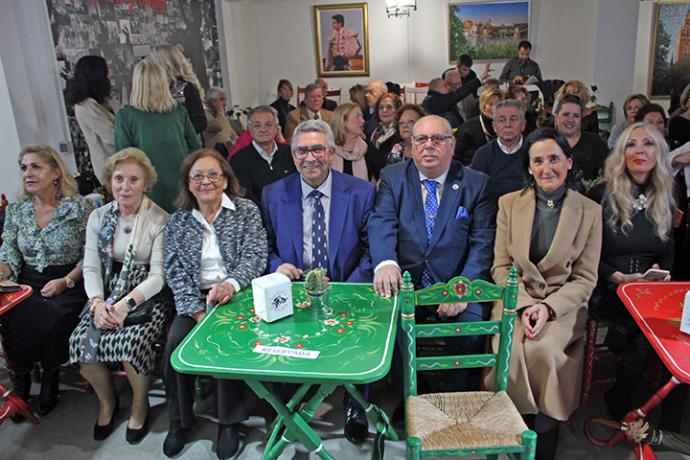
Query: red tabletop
x=657 y=308
x=9 y=300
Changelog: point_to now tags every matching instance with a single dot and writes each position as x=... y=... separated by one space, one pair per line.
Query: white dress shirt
x=307 y=209
x=212 y=267
x=264 y=154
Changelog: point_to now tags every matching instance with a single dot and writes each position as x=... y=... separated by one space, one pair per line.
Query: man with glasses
x=263 y=161
x=433 y=218
x=318 y=218
x=373 y=92
x=442 y=99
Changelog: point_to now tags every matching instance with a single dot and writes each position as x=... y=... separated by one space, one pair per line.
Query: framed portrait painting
x=342 y=40
x=670 y=54
x=487 y=30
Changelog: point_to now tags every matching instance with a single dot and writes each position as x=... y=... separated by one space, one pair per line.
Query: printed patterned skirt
x=132 y=344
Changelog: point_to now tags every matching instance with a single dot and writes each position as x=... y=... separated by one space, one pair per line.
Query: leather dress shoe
x=356 y=425
x=228 y=440
x=175 y=440
x=135 y=435
x=100 y=432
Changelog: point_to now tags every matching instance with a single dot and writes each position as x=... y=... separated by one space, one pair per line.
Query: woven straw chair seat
x=465 y=420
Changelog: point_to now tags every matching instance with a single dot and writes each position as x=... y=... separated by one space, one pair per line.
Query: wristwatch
x=69 y=282
x=131 y=303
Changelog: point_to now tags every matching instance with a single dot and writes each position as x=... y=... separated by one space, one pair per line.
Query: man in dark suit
x=264 y=161
x=318 y=218
x=433 y=218
x=443 y=102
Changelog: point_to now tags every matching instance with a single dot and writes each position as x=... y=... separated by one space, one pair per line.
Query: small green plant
x=316 y=280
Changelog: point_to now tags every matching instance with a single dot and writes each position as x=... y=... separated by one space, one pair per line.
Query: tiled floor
x=66 y=434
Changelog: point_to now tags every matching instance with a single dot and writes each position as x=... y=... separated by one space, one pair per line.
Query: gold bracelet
x=92 y=304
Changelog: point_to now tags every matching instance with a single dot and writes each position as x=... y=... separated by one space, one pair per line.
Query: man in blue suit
x=318 y=218
x=432 y=218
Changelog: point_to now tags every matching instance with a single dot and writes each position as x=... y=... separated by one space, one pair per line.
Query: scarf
x=356 y=156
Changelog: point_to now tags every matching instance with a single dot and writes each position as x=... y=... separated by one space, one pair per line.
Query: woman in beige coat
x=552 y=235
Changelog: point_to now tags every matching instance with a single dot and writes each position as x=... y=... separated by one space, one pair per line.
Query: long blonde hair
x=338 y=119
x=176 y=65
x=150 y=91
x=622 y=191
x=67 y=185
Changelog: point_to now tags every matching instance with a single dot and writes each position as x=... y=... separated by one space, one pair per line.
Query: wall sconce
x=400 y=7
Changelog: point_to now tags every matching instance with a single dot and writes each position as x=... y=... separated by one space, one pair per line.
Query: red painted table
x=13 y=403
x=656 y=307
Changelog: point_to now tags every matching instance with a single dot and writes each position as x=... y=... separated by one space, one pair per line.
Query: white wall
x=275 y=39
x=10 y=140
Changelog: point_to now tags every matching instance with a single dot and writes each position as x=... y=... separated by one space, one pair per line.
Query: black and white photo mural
x=123 y=31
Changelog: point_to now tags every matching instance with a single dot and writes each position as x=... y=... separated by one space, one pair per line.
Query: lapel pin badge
x=456 y=186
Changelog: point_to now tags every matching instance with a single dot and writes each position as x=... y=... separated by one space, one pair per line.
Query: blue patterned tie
x=319 y=250
x=430 y=211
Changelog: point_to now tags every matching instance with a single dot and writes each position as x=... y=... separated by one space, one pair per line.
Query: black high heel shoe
x=100 y=432
x=135 y=435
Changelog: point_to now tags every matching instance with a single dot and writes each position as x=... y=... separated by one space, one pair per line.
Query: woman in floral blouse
x=43 y=243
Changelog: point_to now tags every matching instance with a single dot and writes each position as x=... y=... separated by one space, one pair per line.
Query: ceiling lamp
x=400 y=7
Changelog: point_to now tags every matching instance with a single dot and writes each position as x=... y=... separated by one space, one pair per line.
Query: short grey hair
x=311 y=87
x=263 y=109
x=452 y=72
x=213 y=94
x=313 y=126
x=446 y=123
x=510 y=103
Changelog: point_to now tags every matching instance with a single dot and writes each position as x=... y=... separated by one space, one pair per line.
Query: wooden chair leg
x=588 y=371
x=414 y=448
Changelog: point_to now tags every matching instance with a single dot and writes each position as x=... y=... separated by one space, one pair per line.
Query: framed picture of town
x=487 y=30
x=670 y=54
x=342 y=41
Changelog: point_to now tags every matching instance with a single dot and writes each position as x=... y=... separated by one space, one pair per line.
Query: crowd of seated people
x=379 y=187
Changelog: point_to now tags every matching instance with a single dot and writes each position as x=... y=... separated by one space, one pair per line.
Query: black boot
x=48 y=397
x=21 y=387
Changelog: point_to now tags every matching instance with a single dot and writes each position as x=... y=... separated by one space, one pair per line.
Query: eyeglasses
x=213 y=176
x=435 y=139
x=258 y=125
x=317 y=151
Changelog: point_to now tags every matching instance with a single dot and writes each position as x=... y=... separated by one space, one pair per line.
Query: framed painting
x=342 y=40
x=669 y=63
x=487 y=30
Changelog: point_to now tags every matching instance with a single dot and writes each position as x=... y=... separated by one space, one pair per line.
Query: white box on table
x=272 y=296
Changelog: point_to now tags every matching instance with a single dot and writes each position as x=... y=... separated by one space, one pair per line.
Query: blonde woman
x=43 y=244
x=590 y=118
x=353 y=155
x=155 y=123
x=479 y=130
x=637 y=202
x=184 y=84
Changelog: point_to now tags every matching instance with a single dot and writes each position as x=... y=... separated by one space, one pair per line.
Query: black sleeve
x=195 y=108
x=441 y=103
x=375 y=160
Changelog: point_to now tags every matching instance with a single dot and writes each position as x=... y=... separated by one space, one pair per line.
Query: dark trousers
x=179 y=388
x=455 y=380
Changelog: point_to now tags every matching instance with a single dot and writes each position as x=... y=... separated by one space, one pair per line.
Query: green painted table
x=354 y=334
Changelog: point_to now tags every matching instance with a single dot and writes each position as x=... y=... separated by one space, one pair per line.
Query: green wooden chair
x=462 y=423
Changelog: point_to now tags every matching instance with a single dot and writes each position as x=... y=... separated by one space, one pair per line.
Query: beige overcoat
x=546 y=373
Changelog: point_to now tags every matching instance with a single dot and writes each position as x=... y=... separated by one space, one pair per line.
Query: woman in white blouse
x=123 y=276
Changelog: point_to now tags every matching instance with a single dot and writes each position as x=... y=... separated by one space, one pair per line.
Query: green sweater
x=166 y=138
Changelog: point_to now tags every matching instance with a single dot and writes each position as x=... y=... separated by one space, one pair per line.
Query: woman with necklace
x=479 y=130
x=43 y=244
x=552 y=235
x=354 y=155
x=637 y=201
x=405 y=119
x=123 y=275
x=215 y=245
